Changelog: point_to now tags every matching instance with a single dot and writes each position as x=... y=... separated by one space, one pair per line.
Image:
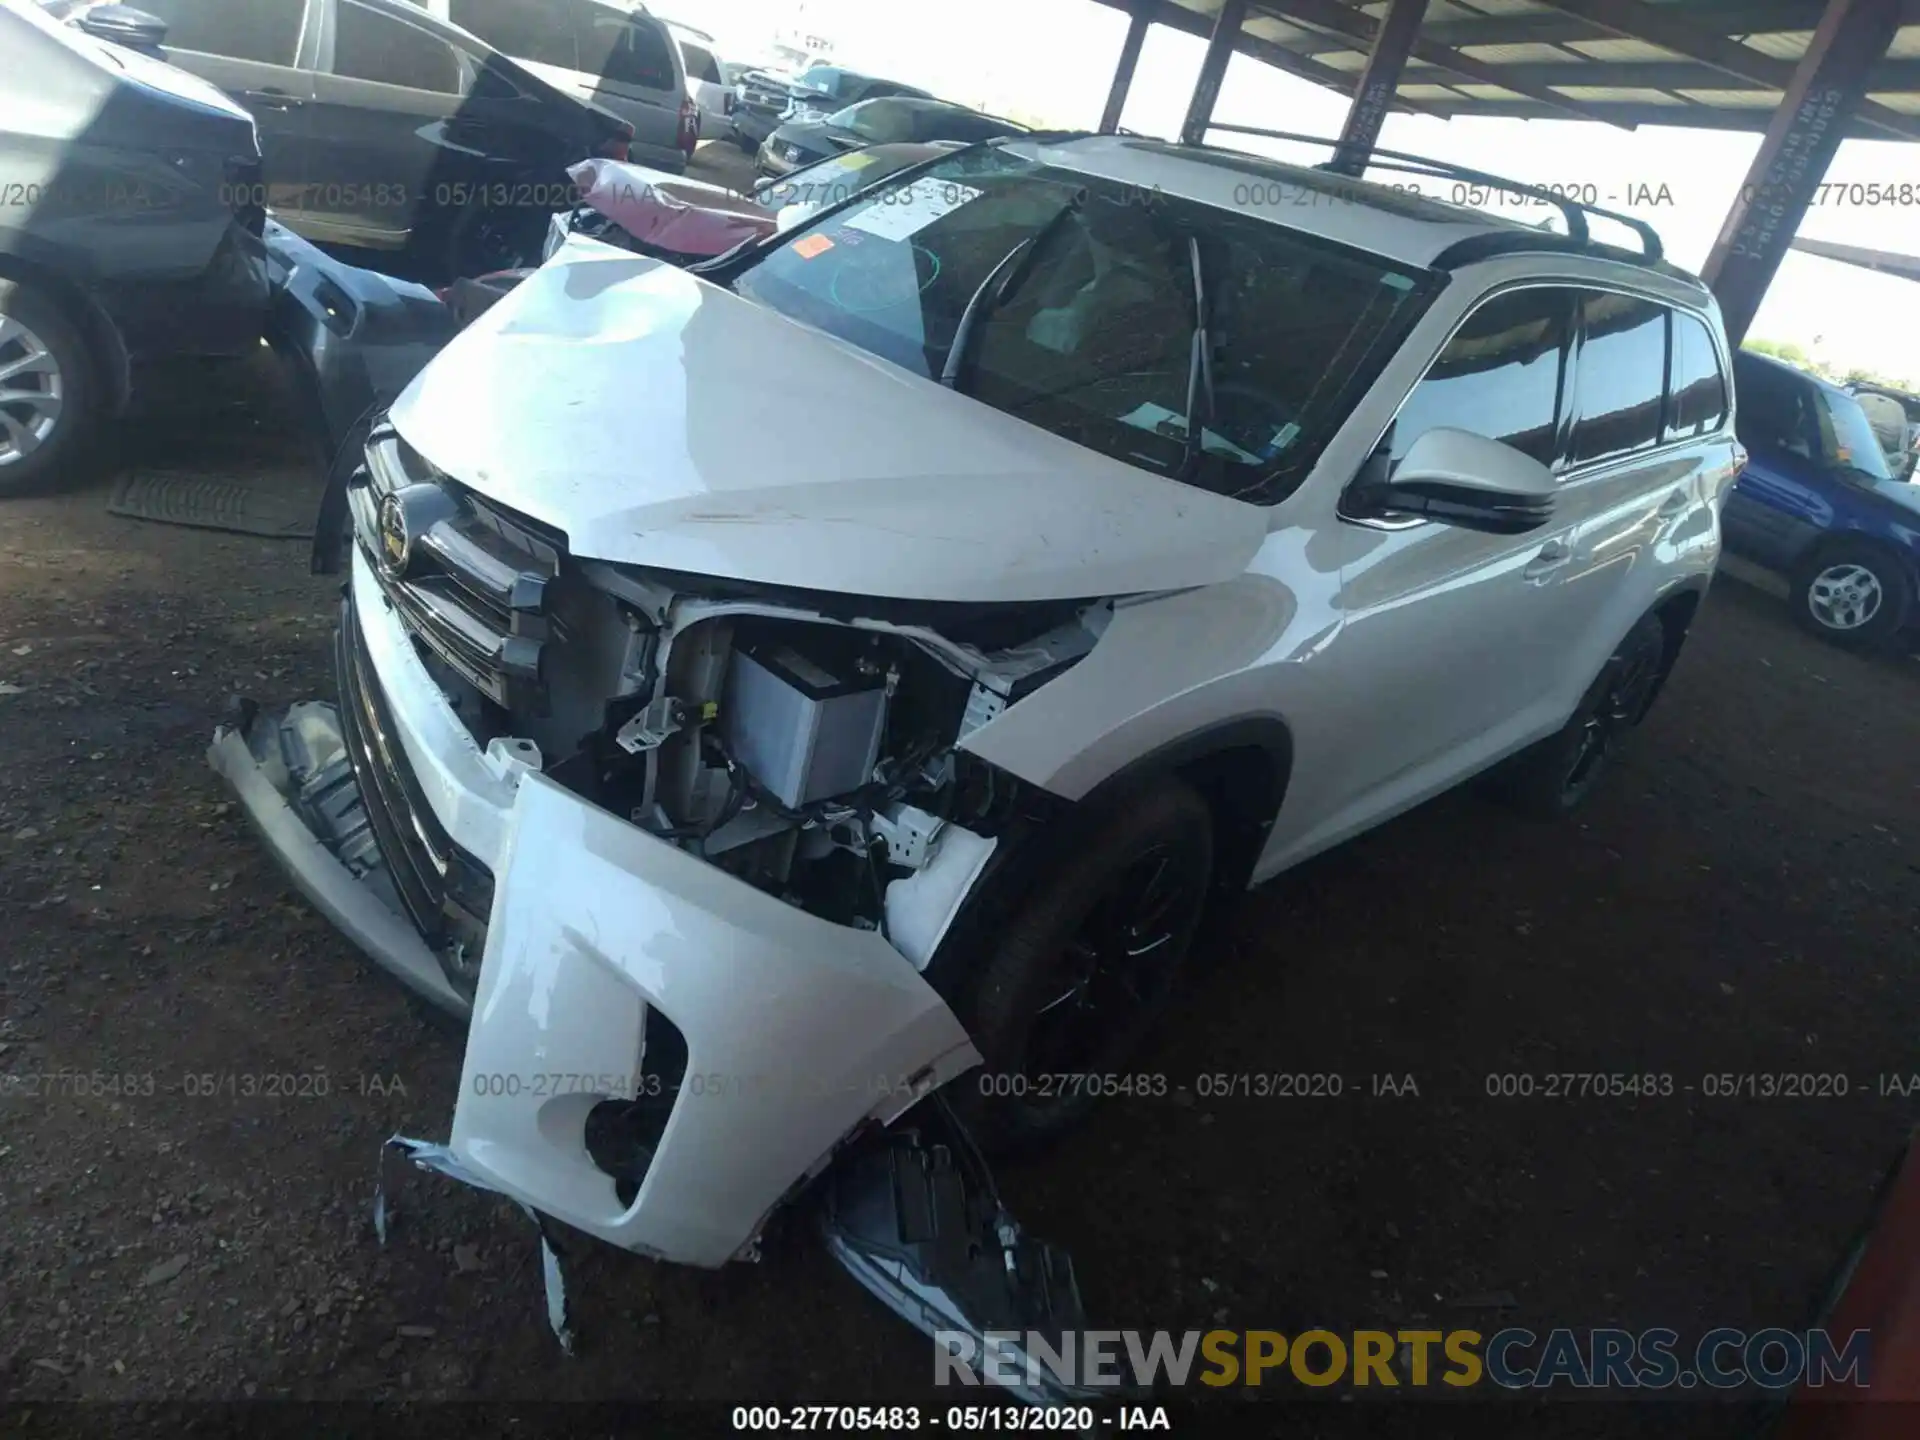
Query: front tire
x=1071 y=983
x=49 y=394
x=1852 y=594
x=1555 y=777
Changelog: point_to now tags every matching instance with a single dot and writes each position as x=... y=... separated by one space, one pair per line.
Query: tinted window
x=1499 y=376
x=622 y=49
x=1697 y=391
x=1623 y=376
x=1847 y=440
x=699 y=63
x=1096 y=342
x=1775 y=410
x=264 y=30
x=876 y=120
x=833 y=82
x=1888 y=419
x=1792 y=414
x=536 y=30
x=368 y=45
x=937 y=124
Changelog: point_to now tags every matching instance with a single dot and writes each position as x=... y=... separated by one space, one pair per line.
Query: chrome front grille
x=447 y=892
x=469 y=581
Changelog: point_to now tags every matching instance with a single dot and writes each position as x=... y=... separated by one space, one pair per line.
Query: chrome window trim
x=1571 y=474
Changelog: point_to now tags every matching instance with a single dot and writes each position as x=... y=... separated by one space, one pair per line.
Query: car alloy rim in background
x=1845 y=597
x=31 y=393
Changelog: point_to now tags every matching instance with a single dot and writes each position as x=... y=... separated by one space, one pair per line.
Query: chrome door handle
x=1552 y=556
x=1675 y=505
x=274 y=99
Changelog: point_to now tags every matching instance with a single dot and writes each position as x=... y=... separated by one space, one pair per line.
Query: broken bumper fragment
x=658 y=1053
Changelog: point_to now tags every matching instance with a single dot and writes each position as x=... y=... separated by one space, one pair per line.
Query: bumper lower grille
x=447 y=892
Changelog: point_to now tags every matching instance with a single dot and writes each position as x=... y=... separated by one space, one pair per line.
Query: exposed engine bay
x=680 y=851
x=812 y=755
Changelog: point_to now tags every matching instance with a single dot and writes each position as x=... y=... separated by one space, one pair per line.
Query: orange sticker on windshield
x=811 y=246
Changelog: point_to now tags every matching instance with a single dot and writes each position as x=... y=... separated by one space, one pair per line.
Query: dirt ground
x=1741 y=898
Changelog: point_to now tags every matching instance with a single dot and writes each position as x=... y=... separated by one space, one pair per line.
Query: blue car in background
x=1817 y=503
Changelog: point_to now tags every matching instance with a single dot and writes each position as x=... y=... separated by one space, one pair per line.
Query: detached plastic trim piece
x=387 y=938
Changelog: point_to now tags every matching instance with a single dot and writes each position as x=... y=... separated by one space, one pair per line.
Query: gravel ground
x=1740 y=898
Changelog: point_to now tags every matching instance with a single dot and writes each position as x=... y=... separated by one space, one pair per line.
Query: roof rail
x=1574 y=211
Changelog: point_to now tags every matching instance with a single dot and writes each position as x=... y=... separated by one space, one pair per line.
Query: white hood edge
x=663 y=421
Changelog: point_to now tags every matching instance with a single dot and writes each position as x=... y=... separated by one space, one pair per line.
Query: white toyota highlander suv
x=773 y=693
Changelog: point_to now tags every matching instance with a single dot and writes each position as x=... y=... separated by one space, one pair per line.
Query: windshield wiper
x=1199 y=368
x=1012 y=270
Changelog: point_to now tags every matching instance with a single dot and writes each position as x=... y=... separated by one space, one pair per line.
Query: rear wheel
x=1555 y=776
x=1073 y=981
x=1852 y=594
x=48 y=393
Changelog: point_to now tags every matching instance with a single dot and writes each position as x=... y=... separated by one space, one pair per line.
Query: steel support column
x=1827 y=88
x=1123 y=72
x=1213 y=69
x=1378 y=83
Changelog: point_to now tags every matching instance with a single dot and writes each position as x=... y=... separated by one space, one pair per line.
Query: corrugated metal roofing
x=1515 y=57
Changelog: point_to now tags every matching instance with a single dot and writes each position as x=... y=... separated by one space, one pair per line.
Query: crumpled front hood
x=660 y=420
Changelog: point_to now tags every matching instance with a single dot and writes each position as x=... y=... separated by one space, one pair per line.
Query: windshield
x=1096 y=342
x=814 y=188
x=1846 y=436
x=875 y=120
x=828 y=80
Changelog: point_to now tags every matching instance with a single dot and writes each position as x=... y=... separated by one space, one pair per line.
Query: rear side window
x=1500 y=375
x=699 y=63
x=368 y=45
x=1775 y=413
x=1622 y=376
x=937 y=124
x=622 y=49
x=1696 y=390
x=536 y=30
x=266 y=31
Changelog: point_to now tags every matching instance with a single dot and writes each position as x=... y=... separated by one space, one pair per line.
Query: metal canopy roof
x=1887 y=262
x=1721 y=64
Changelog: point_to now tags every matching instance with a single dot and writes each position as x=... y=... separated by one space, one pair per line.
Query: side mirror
x=124 y=25
x=1455 y=477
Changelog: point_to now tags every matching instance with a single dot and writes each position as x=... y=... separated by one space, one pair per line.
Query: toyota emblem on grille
x=396 y=544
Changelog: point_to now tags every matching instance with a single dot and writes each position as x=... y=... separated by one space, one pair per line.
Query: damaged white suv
x=770 y=694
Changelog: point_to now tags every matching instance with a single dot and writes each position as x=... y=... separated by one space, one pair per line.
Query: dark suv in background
x=764 y=101
x=387 y=129
x=892 y=120
x=130 y=231
x=1818 y=504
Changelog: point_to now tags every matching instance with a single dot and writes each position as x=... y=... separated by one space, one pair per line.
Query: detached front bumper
x=795 y=1030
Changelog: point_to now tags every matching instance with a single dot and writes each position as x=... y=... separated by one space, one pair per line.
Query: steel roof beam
x=1740 y=17
x=1332 y=15
x=1801 y=140
x=1657 y=25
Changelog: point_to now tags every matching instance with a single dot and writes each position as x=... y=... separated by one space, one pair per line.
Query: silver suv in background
x=707 y=82
x=1895 y=418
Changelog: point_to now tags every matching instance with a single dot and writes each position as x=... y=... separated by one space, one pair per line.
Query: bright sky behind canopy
x=1052 y=60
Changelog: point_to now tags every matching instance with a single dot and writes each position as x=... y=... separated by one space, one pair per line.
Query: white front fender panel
x=796 y=1029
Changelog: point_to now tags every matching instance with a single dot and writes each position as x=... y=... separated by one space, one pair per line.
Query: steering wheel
x=865 y=287
x=1258 y=413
